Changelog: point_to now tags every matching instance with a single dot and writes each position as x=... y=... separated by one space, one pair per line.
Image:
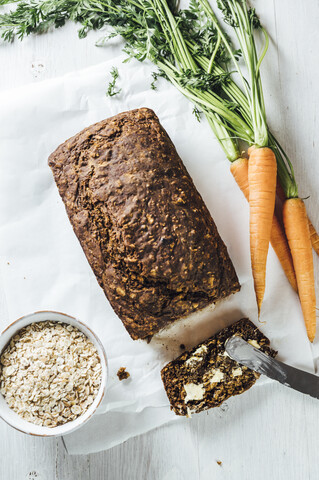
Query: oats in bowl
x=50 y=373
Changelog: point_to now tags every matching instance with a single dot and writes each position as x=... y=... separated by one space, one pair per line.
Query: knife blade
x=245 y=354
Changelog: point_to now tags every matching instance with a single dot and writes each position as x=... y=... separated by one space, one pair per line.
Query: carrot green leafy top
x=189 y=48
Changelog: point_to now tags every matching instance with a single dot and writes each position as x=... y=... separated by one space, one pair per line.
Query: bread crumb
x=122 y=374
x=219 y=463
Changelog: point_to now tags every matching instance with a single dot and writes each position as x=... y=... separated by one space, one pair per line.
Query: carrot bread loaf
x=143 y=226
x=206 y=376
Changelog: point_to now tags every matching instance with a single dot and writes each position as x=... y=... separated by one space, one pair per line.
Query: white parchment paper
x=43 y=266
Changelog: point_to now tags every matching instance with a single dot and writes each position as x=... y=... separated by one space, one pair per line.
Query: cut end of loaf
x=206 y=376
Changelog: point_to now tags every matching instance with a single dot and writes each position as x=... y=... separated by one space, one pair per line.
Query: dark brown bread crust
x=207 y=362
x=143 y=226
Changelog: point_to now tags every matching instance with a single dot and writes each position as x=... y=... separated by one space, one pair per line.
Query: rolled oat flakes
x=50 y=373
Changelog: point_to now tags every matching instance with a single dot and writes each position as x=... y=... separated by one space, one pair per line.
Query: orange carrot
x=239 y=169
x=314 y=237
x=262 y=173
x=298 y=235
x=278 y=240
x=280 y=245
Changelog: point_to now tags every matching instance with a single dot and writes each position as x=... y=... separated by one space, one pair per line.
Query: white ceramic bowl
x=11 y=417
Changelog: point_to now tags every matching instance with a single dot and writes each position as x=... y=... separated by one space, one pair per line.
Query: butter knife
x=245 y=354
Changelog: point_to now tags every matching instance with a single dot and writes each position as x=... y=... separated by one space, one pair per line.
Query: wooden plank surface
x=278 y=428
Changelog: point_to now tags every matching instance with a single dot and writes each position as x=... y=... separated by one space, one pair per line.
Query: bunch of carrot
x=257 y=178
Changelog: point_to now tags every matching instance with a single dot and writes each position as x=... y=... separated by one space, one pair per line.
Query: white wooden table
x=280 y=428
